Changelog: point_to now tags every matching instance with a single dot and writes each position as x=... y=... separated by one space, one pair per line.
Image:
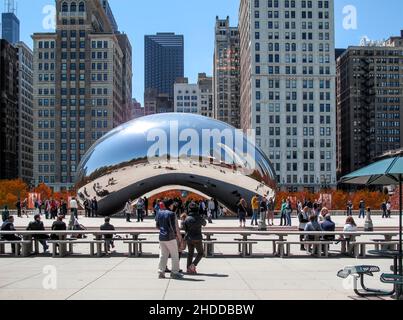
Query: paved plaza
x=226 y=276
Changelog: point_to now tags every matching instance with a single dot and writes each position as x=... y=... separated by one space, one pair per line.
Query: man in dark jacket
x=107 y=226
x=329 y=226
x=58 y=225
x=193 y=227
x=8 y=225
x=37 y=225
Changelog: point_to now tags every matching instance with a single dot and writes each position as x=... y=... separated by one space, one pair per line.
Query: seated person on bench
x=312 y=226
x=37 y=225
x=108 y=237
x=58 y=225
x=8 y=225
x=329 y=226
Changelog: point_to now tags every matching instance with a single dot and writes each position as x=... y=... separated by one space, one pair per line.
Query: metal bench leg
x=99 y=249
x=244 y=250
x=2 y=248
x=363 y=250
x=130 y=250
x=250 y=249
x=205 y=250
x=54 y=250
x=17 y=249
x=274 y=248
x=356 y=251
x=71 y=251
x=36 y=246
x=92 y=247
x=326 y=249
x=136 y=249
x=281 y=250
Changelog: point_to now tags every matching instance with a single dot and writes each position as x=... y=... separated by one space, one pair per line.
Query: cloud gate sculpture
x=169 y=149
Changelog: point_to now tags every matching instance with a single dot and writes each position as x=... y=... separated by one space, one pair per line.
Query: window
x=81 y=7
x=65 y=7
x=73 y=7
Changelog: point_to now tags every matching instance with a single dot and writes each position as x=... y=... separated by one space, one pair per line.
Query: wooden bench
x=360 y=247
x=245 y=245
x=18 y=245
x=59 y=243
x=136 y=246
x=316 y=246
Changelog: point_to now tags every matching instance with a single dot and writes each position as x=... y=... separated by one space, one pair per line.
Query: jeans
x=288 y=218
x=169 y=248
x=362 y=214
x=254 y=217
x=140 y=215
x=128 y=216
x=283 y=217
x=192 y=245
x=384 y=214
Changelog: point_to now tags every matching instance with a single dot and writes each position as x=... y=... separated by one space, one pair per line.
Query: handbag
x=181 y=244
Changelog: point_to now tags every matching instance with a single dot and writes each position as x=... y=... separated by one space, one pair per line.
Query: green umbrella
x=384 y=172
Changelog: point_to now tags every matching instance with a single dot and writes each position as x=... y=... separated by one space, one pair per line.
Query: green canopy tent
x=385 y=172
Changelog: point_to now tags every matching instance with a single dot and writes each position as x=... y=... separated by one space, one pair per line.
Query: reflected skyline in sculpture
x=133 y=160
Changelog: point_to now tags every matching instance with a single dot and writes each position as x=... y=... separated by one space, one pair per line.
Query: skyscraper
x=25 y=112
x=10 y=23
x=369 y=102
x=81 y=86
x=226 y=78
x=8 y=110
x=164 y=62
x=288 y=87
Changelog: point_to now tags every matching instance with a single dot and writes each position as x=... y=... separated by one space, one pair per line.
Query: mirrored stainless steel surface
x=134 y=159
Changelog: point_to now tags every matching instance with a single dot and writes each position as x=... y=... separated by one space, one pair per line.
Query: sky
x=195 y=19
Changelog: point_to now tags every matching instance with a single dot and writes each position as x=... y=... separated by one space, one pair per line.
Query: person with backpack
x=193 y=227
x=263 y=211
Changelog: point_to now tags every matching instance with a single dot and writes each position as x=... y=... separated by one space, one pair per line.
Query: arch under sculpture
x=173 y=149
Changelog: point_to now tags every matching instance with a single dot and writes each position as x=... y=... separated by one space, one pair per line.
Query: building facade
x=8 y=111
x=288 y=87
x=155 y=102
x=194 y=98
x=137 y=111
x=80 y=89
x=25 y=112
x=206 y=95
x=226 y=76
x=187 y=97
x=10 y=26
x=369 y=103
x=164 y=63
